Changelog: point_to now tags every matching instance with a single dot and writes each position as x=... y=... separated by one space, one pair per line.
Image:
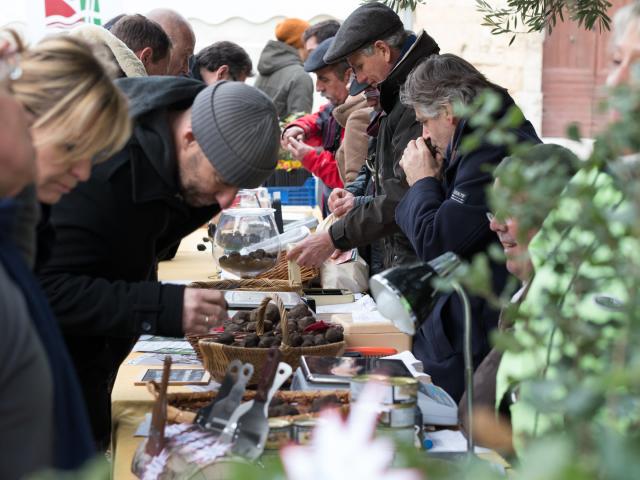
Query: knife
x=156 y=440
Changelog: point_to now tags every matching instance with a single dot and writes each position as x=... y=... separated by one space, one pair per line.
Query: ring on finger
x=206 y=319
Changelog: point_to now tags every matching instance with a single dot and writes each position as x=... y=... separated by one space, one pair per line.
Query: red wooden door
x=574 y=70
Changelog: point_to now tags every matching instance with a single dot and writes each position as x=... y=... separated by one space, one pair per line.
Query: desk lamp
x=406 y=294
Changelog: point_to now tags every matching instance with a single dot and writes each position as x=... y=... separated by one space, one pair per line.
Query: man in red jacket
x=314 y=139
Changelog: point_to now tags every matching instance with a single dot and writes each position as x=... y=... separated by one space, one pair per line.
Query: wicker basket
x=281 y=271
x=183 y=406
x=254 y=284
x=217 y=356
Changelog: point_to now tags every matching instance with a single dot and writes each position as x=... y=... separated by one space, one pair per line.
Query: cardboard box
x=374 y=334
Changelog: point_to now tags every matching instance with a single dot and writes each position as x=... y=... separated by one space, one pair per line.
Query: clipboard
x=182 y=376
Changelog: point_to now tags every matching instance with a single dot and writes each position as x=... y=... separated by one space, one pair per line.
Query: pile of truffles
x=280 y=408
x=304 y=331
x=251 y=264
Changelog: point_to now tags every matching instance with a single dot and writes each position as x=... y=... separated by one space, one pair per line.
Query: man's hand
x=203 y=310
x=340 y=201
x=418 y=162
x=313 y=250
x=289 y=133
x=298 y=149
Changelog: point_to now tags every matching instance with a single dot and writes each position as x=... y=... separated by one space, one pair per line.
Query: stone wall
x=458 y=29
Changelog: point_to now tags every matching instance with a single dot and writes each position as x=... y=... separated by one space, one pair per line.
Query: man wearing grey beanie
x=192 y=148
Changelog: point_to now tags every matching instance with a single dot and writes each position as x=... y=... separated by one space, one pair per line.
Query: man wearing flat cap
x=187 y=157
x=374 y=42
x=332 y=142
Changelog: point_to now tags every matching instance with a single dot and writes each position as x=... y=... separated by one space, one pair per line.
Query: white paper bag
x=347 y=272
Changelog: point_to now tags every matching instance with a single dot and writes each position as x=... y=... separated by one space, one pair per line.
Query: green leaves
x=527 y=16
x=398 y=5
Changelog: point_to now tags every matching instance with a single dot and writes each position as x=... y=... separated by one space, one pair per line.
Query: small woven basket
x=216 y=356
x=255 y=284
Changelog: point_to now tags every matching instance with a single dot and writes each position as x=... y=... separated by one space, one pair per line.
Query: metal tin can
x=279 y=434
x=397 y=389
x=399 y=415
x=406 y=435
x=303 y=430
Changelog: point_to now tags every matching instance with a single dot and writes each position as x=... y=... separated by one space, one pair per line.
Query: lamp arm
x=468 y=360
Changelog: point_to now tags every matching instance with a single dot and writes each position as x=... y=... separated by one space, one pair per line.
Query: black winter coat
x=375 y=220
x=450 y=215
x=101 y=276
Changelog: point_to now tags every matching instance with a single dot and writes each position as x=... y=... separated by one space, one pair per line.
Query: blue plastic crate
x=304 y=195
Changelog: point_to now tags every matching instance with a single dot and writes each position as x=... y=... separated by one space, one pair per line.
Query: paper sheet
x=168 y=347
x=450 y=441
x=157 y=359
x=364 y=310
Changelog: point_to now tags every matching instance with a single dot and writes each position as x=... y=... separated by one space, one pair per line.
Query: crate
x=304 y=195
x=288 y=178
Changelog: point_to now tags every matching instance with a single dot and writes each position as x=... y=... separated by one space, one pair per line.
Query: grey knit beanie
x=237 y=128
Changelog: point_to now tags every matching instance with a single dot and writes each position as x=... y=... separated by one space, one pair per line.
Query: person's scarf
x=73 y=444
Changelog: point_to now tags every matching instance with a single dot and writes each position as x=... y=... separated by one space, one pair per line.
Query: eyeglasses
x=490 y=216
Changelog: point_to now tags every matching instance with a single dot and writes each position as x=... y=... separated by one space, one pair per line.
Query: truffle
x=266 y=342
x=225 y=338
x=299 y=311
x=232 y=328
x=272 y=313
x=251 y=340
x=304 y=322
x=241 y=317
x=296 y=340
x=334 y=335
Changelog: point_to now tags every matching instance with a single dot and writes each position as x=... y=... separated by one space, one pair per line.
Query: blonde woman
x=76 y=117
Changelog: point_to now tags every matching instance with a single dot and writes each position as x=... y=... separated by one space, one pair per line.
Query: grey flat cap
x=316 y=62
x=368 y=23
x=237 y=128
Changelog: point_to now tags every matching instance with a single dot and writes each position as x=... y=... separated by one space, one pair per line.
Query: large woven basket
x=217 y=356
x=182 y=406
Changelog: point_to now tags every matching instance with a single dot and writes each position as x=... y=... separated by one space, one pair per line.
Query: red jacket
x=321 y=162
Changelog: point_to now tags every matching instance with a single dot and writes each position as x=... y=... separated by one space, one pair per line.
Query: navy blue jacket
x=450 y=215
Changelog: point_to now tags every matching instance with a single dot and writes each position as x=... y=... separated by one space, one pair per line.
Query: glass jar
x=252 y=198
x=246 y=241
